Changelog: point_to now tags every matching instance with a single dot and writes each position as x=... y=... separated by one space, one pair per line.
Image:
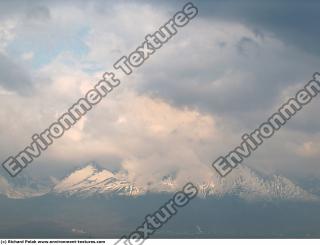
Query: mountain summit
x=91 y=180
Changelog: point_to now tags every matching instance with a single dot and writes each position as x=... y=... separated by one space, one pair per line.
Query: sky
x=221 y=76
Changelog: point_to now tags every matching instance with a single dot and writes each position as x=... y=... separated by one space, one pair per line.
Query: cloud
x=27 y=56
x=6 y=33
x=148 y=135
x=220 y=77
x=13 y=77
x=292 y=22
x=238 y=79
x=308 y=149
x=38 y=13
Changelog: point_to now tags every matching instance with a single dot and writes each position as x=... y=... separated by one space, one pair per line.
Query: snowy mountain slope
x=243 y=182
x=90 y=180
x=249 y=185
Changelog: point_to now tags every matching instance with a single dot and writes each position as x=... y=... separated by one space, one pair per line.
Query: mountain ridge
x=93 y=180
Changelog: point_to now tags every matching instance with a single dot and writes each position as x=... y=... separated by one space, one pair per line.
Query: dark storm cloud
x=263 y=76
x=293 y=21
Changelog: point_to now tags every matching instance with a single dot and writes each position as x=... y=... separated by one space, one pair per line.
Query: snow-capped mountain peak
x=88 y=174
x=91 y=180
x=249 y=185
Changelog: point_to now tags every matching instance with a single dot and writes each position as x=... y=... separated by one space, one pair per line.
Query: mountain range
x=93 y=180
x=94 y=202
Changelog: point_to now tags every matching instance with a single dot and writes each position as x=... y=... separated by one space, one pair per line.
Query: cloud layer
x=220 y=77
